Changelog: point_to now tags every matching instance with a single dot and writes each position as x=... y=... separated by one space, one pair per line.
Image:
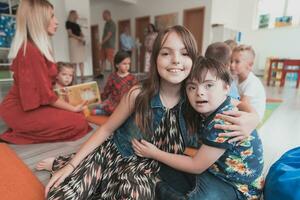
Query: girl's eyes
x=185 y=53
x=164 y=53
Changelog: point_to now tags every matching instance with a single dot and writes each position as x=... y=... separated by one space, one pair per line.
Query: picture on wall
x=7 y=29
x=264 y=21
x=283 y=21
x=164 y=21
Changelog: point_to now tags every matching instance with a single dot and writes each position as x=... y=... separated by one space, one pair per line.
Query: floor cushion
x=97 y=119
x=16 y=179
x=283 y=179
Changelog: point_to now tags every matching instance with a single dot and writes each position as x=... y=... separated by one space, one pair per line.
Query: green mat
x=5 y=74
x=270 y=107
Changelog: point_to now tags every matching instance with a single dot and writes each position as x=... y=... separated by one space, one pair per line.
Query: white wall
x=60 y=39
x=281 y=42
x=241 y=15
x=224 y=12
x=150 y=8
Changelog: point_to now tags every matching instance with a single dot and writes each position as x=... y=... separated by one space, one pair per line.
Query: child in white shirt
x=250 y=87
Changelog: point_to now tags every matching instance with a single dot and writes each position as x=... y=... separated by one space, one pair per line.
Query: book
x=76 y=94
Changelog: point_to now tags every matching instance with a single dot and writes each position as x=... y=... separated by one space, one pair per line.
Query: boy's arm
x=203 y=159
x=244 y=104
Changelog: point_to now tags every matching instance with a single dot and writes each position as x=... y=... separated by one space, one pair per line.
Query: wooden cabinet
x=278 y=69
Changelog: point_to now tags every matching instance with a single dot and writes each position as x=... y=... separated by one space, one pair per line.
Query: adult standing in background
x=107 y=44
x=149 y=40
x=126 y=41
x=31 y=109
x=76 y=42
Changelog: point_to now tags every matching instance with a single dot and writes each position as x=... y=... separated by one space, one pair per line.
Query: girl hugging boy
x=225 y=170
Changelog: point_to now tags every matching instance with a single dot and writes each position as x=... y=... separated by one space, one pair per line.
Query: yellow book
x=76 y=94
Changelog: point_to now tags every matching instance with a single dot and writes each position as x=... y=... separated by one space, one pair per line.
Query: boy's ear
x=227 y=88
x=250 y=65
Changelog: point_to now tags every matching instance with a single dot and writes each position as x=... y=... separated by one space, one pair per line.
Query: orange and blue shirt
x=241 y=165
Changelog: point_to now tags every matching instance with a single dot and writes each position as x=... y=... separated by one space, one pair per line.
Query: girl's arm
x=66 y=106
x=70 y=34
x=244 y=104
x=203 y=159
x=242 y=122
x=122 y=112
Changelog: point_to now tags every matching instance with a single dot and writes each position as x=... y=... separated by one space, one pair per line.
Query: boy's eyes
x=209 y=85
x=190 y=88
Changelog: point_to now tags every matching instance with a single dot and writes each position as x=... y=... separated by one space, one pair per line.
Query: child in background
x=65 y=75
x=221 y=52
x=226 y=171
x=250 y=87
x=118 y=83
x=231 y=43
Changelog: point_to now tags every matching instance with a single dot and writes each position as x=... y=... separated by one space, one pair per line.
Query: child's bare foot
x=45 y=164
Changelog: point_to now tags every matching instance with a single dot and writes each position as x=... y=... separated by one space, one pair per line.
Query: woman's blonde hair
x=33 y=18
x=71 y=16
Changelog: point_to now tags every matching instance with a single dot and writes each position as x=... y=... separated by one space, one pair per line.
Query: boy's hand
x=144 y=148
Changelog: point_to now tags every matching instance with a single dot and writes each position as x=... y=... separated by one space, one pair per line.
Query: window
x=276 y=13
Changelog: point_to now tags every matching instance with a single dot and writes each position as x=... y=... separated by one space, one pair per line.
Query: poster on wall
x=164 y=21
x=264 y=21
x=283 y=21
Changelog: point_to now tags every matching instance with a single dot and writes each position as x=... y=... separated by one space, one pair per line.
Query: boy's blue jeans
x=208 y=187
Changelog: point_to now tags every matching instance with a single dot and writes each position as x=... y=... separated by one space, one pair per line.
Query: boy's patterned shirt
x=242 y=163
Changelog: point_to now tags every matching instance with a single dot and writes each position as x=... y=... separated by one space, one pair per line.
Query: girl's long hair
x=33 y=18
x=150 y=87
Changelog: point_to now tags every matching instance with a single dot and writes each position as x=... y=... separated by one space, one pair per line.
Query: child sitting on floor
x=227 y=171
x=250 y=87
x=65 y=75
x=118 y=83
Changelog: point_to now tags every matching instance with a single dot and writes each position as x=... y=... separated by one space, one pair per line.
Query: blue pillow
x=283 y=179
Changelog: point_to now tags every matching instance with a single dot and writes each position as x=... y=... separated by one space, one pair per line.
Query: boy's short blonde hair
x=245 y=48
x=231 y=43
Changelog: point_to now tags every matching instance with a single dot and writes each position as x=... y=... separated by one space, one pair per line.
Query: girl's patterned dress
x=105 y=174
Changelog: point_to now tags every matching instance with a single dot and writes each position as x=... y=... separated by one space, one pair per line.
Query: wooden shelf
x=278 y=68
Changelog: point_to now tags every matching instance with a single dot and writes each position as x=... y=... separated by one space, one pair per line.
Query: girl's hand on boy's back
x=144 y=149
x=242 y=124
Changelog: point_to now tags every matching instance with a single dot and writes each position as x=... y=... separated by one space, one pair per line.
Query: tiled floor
x=279 y=133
